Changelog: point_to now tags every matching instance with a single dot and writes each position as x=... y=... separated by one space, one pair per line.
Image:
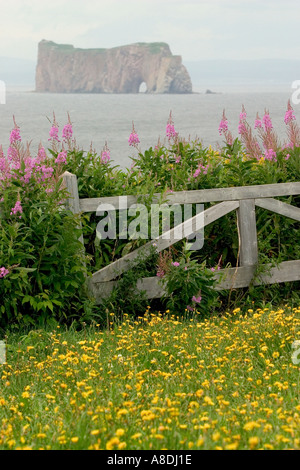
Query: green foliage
x=44 y=257
x=189 y=286
x=124 y=297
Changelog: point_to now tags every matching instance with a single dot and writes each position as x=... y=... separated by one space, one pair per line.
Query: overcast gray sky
x=194 y=29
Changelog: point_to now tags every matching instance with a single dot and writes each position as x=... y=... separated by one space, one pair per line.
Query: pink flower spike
x=197 y=300
x=105 y=154
x=289 y=116
x=53 y=133
x=3 y=272
x=67 y=132
x=15 y=133
x=160 y=273
x=170 y=129
x=17 y=209
x=61 y=157
x=223 y=127
x=257 y=123
x=270 y=155
x=267 y=121
x=133 y=138
x=243 y=114
x=15 y=136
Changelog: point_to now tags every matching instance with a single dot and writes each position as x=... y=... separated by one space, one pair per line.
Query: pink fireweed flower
x=170 y=129
x=3 y=272
x=67 y=132
x=176 y=264
x=13 y=156
x=197 y=300
x=243 y=115
x=217 y=268
x=15 y=136
x=271 y=155
x=61 y=157
x=293 y=130
x=17 y=209
x=289 y=115
x=258 y=122
x=53 y=133
x=188 y=307
x=133 y=138
x=46 y=173
x=197 y=173
x=41 y=156
x=242 y=128
x=201 y=169
x=160 y=272
x=267 y=122
x=105 y=154
x=223 y=127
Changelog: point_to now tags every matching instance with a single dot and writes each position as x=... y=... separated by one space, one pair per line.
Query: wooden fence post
x=71 y=185
x=248 y=234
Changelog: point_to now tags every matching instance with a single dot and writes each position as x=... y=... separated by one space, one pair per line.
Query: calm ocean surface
x=100 y=118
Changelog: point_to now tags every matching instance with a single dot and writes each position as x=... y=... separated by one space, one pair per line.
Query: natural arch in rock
x=143 y=87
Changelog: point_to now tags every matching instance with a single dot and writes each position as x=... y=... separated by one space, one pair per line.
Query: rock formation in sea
x=61 y=68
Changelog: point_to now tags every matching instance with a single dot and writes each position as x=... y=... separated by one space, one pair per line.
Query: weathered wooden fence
x=241 y=199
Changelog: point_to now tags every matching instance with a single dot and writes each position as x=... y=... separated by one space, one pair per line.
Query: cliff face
x=65 y=69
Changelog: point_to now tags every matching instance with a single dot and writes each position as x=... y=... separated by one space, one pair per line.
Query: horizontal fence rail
x=243 y=200
x=232 y=278
x=200 y=195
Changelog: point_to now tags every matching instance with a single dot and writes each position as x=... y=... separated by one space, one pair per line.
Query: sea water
x=101 y=118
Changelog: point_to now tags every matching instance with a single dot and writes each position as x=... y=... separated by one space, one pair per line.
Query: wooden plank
x=248 y=234
x=167 y=239
x=279 y=207
x=201 y=195
x=287 y=271
x=102 y=290
x=71 y=185
x=72 y=202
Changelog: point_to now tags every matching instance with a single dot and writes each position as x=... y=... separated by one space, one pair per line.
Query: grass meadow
x=157 y=382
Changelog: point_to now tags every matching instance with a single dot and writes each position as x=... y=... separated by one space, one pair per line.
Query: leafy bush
x=42 y=260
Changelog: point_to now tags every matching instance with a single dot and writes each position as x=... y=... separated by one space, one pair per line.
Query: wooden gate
x=242 y=199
